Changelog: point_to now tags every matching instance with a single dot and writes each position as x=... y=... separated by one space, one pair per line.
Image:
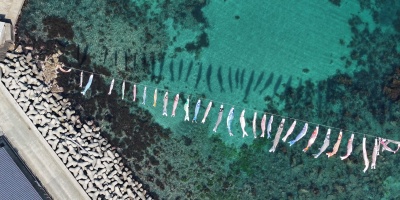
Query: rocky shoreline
x=89 y=157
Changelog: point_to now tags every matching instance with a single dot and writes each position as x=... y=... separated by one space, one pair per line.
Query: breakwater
x=94 y=163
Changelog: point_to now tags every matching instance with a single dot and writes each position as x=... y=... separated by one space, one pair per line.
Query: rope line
x=235 y=106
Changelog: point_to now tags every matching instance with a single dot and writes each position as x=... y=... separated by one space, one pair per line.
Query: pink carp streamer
x=265 y=127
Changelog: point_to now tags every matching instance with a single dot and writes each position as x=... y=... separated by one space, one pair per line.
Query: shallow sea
x=331 y=63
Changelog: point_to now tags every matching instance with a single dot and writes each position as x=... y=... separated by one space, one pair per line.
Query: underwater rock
x=392 y=89
x=58 y=27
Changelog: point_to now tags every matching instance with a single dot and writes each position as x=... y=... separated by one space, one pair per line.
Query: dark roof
x=16 y=181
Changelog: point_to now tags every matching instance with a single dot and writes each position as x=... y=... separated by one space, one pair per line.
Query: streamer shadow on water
x=84 y=55
x=171 y=70
x=249 y=83
x=288 y=82
x=189 y=70
x=277 y=84
x=199 y=75
x=230 y=78
x=208 y=77
x=180 y=69
x=260 y=78
x=159 y=78
x=242 y=78
x=237 y=78
x=115 y=57
x=268 y=82
x=105 y=55
x=220 y=79
x=153 y=69
x=126 y=58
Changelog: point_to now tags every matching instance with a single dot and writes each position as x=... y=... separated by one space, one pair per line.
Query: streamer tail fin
x=316 y=155
x=244 y=133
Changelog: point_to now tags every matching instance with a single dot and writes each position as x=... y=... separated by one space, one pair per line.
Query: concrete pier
x=35 y=151
x=9 y=13
x=20 y=131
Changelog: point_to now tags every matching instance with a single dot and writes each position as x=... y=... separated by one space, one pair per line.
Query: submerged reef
x=126 y=38
x=392 y=88
x=57 y=27
x=335 y=2
x=123 y=36
x=374 y=56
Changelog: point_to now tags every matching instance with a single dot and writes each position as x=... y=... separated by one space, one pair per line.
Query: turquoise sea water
x=327 y=62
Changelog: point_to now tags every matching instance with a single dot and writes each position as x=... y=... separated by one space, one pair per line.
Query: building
x=16 y=180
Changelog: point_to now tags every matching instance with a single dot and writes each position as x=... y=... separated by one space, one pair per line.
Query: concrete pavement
x=9 y=13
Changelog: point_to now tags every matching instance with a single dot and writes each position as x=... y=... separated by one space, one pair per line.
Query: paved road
x=35 y=151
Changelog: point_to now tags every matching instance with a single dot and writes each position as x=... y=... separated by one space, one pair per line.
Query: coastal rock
x=91 y=159
x=43 y=130
x=61 y=149
x=15 y=93
x=118 y=191
x=53 y=123
x=112 y=174
x=130 y=193
x=50 y=137
x=116 y=178
x=15 y=74
x=98 y=184
x=112 y=185
x=84 y=183
x=74 y=171
x=24 y=105
x=71 y=162
x=11 y=55
x=71 y=150
x=29 y=57
x=63 y=157
x=87 y=159
x=22 y=98
x=53 y=102
x=30 y=94
x=22 y=86
x=36 y=119
x=87 y=128
x=53 y=142
x=91 y=188
x=90 y=174
x=118 y=168
x=7 y=81
x=18 y=49
x=31 y=110
x=81 y=175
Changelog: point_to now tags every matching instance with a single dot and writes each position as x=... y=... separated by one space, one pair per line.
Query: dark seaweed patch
x=202 y=41
x=335 y=2
x=58 y=27
x=198 y=14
